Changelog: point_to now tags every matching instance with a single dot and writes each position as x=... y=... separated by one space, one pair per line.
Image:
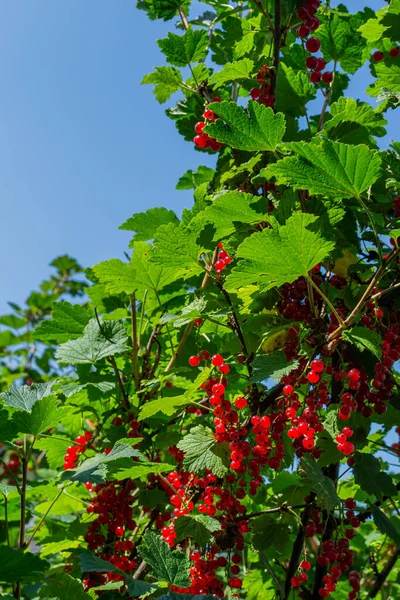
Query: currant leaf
x=168 y=565
x=203 y=452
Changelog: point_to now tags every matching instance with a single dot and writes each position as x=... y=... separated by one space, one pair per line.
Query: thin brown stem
x=183 y=18
x=270 y=511
x=327 y=100
x=135 y=356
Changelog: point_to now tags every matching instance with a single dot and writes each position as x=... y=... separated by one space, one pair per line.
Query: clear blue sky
x=82 y=144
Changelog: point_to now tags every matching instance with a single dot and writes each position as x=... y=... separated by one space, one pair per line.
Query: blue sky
x=82 y=144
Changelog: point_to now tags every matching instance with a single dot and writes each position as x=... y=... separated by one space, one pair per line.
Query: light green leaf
x=25 y=396
x=231 y=212
x=387 y=74
x=385 y=525
x=255 y=128
x=55 y=450
x=95 y=469
x=236 y=71
x=117 y=276
x=95 y=344
x=203 y=452
x=327 y=168
x=258 y=585
x=166 y=81
x=62 y=546
x=176 y=246
x=353 y=122
x=67 y=323
x=146 y=224
x=198 y=527
x=182 y=50
x=12 y=321
x=365 y=339
x=168 y=565
x=16 y=565
x=274 y=366
x=139 y=469
x=321 y=485
x=273 y=257
x=372 y=30
x=370 y=478
x=192 y=179
x=340 y=41
x=45 y=414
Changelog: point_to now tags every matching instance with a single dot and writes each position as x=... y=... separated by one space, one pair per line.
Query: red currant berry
x=303 y=31
x=311 y=62
x=354 y=374
x=255 y=93
x=217 y=360
x=209 y=115
x=194 y=361
x=199 y=127
x=201 y=140
x=315 y=77
x=327 y=77
x=313 y=44
x=312 y=377
x=240 y=402
x=317 y=365
x=394 y=51
x=378 y=56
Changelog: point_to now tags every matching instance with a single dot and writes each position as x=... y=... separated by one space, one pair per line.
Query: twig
x=326 y=300
x=43 y=517
x=328 y=97
x=140 y=570
x=184 y=18
x=135 y=359
x=283 y=508
x=380 y=580
x=277 y=45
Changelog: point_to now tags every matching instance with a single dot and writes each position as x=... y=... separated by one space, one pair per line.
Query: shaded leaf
x=168 y=565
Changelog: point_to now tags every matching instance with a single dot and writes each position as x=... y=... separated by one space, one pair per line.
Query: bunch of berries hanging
x=262 y=94
x=202 y=139
x=306 y=13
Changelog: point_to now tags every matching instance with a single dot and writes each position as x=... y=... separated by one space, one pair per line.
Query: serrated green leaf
x=387 y=74
x=182 y=50
x=166 y=81
x=64 y=587
x=12 y=321
x=25 y=396
x=236 y=71
x=95 y=469
x=139 y=469
x=340 y=41
x=256 y=128
x=198 y=527
x=372 y=30
x=95 y=344
x=55 y=450
x=353 y=122
x=365 y=339
x=60 y=546
x=67 y=323
x=385 y=525
x=370 y=478
x=327 y=168
x=323 y=486
x=268 y=532
x=203 y=452
x=271 y=366
x=117 y=276
x=16 y=565
x=45 y=414
x=89 y=563
x=193 y=179
x=145 y=224
x=168 y=565
x=293 y=92
x=273 y=257
x=258 y=585
x=176 y=246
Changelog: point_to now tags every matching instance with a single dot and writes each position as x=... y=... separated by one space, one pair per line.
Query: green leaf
x=95 y=344
x=198 y=527
x=203 y=452
x=353 y=122
x=231 y=212
x=12 y=321
x=139 y=469
x=258 y=585
x=136 y=587
x=385 y=525
x=182 y=50
x=16 y=565
x=274 y=366
x=364 y=339
x=67 y=323
x=117 y=276
x=25 y=396
x=273 y=257
x=64 y=587
x=387 y=73
x=146 y=224
x=370 y=478
x=176 y=246
x=168 y=405
x=89 y=563
x=95 y=469
x=323 y=486
x=293 y=92
x=236 y=71
x=255 y=129
x=55 y=450
x=8 y=429
x=45 y=414
x=166 y=81
x=327 y=168
x=193 y=179
x=372 y=30
x=268 y=532
x=340 y=41
x=169 y=566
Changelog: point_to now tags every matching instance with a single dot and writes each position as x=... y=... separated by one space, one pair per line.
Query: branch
x=326 y=103
x=283 y=508
x=135 y=358
x=380 y=580
x=184 y=18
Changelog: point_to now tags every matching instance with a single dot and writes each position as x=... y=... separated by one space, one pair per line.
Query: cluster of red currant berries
x=72 y=455
x=262 y=94
x=378 y=56
x=223 y=259
x=202 y=139
x=310 y=23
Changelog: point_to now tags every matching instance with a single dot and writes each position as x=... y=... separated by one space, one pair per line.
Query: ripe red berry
x=317 y=365
x=306 y=565
x=347 y=431
x=313 y=23
x=303 y=31
x=89 y=436
x=287 y=390
x=321 y=64
x=224 y=369
x=354 y=374
x=199 y=127
x=315 y=77
x=311 y=62
x=220 y=266
x=312 y=377
x=313 y=44
x=217 y=360
x=209 y=115
x=194 y=361
x=378 y=56
x=308 y=443
x=198 y=322
x=81 y=440
x=327 y=77
x=240 y=402
x=255 y=93
x=394 y=51
x=201 y=140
